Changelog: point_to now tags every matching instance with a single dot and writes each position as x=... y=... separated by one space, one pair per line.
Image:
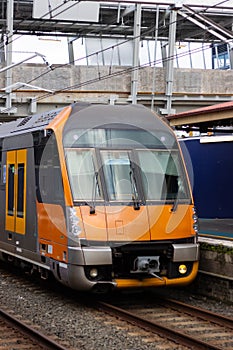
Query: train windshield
x=128 y=175
x=83 y=174
x=111 y=137
x=119 y=176
x=163 y=178
x=130 y=167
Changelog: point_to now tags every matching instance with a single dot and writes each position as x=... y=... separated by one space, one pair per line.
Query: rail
x=24 y=335
x=202 y=329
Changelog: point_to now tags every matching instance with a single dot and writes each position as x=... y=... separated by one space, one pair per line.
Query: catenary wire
x=78 y=1
x=124 y=71
x=46 y=14
x=108 y=76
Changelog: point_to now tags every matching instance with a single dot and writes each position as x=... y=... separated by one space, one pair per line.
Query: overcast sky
x=55 y=50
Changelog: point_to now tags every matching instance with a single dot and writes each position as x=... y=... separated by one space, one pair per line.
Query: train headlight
x=93 y=272
x=74 y=228
x=182 y=269
x=195 y=221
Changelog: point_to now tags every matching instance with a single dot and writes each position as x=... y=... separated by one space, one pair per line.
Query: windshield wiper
x=175 y=204
x=135 y=198
x=94 y=192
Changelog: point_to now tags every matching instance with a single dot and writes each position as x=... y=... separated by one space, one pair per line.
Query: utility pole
x=2 y=51
x=155 y=56
x=9 y=35
x=170 y=62
x=137 y=31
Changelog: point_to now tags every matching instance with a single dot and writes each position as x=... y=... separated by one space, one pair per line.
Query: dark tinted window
x=20 y=199
x=49 y=187
x=11 y=186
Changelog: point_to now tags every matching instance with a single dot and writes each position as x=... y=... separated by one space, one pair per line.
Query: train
x=97 y=196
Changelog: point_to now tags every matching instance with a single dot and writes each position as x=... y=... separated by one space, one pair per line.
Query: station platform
x=215 y=276
x=216 y=228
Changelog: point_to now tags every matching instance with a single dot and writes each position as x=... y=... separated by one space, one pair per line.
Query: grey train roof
x=94 y=116
x=88 y=116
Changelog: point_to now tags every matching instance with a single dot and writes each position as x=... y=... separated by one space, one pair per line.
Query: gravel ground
x=187 y=295
x=81 y=326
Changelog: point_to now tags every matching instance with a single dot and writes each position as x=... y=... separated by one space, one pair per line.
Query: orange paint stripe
x=57 y=125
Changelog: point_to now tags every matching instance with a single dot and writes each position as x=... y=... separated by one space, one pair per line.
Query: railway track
x=181 y=323
x=158 y=322
x=17 y=335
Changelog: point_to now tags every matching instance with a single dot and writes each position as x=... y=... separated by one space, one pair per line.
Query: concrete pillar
x=230 y=46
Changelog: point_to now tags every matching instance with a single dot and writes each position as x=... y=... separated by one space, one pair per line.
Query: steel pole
x=137 y=31
x=9 y=34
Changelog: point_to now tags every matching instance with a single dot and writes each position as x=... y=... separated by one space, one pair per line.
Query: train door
x=15 y=173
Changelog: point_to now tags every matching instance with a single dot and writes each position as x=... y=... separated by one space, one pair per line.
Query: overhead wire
x=44 y=15
x=111 y=47
x=107 y=76
x=115 y=74
x=146 y=32
x=78 y=1
x=124 y=71
x=99 y=78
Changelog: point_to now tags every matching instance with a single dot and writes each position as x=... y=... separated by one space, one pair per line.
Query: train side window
x=4 y=174
x=11 y=189
x=1 y=175
x=49 y=187
x=20 y=197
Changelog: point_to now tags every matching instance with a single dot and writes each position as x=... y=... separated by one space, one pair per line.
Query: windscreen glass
x=117 y=173
x=163 y=177
x=124 y=166
x=83 y=175
x=107 y=138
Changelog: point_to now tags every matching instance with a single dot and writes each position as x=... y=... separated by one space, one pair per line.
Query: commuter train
x=97 y=195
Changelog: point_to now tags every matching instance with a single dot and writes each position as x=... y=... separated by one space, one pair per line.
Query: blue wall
x=212 y=166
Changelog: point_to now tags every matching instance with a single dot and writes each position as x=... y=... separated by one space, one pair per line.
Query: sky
x=55 y=50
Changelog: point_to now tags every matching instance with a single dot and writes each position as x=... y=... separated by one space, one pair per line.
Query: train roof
x=88 y=116
x=97 y=116
x=32 y=122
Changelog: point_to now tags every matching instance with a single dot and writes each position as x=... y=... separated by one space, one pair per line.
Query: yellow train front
x=99 y=196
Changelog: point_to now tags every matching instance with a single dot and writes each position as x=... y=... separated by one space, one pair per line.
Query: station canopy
x=197 y=20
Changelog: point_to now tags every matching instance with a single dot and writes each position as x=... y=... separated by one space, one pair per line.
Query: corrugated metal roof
x=210 y=109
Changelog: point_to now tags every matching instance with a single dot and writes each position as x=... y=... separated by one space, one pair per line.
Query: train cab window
x=118 y=174
x=162 y=175
x=83 y=174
